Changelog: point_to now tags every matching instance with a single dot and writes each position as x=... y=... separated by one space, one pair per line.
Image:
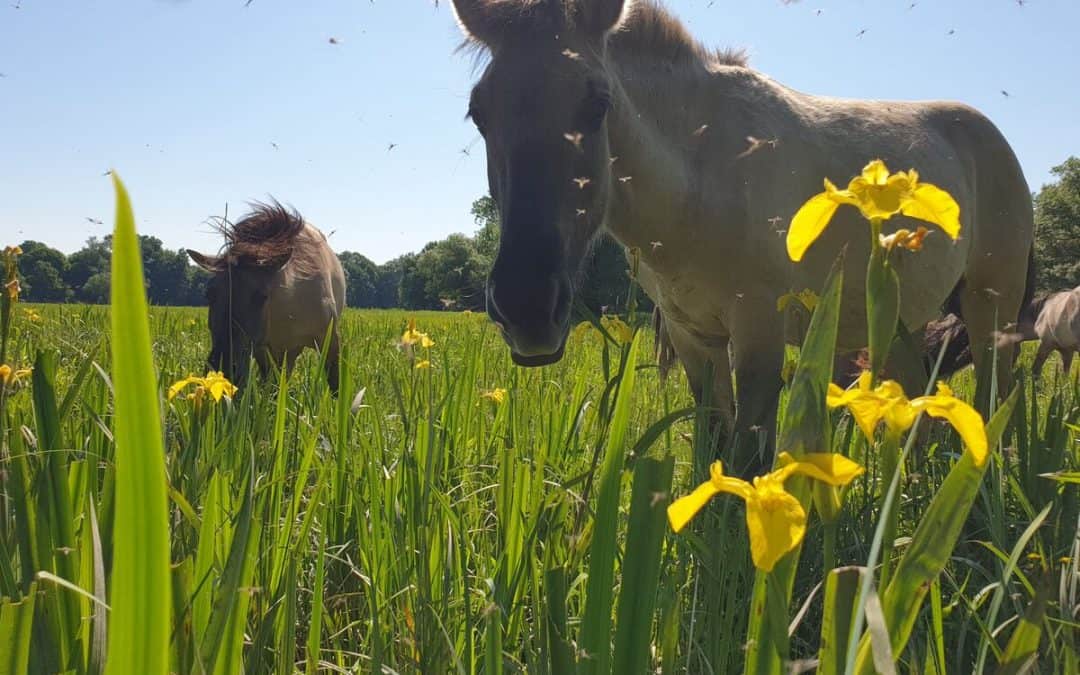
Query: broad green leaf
x=806 y=428
x=1006 y=577
x=218 y=645
x=596 y=623
x=16 y=626
x=932 y=544
x=315 y=626
x=560 y=651
x=1072 y=477
x=206 y=573
x=1023 y=646
x=641 y=568
x=58 y=550
x=140 y=622
x=882 y=307
x=841 y=589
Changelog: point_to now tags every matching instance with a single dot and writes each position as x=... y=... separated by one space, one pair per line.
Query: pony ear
x=600 y=17
x=474 y=22
x=210 y=263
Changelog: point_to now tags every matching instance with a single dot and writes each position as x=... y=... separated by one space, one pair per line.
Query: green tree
x=388 y=283
x=412 y=289
x=166 y=272
x=453 y=273
x=362 y=276
x=96 y=289
x=486 y=215
x=1057 y=229
x=195 y=279
x=86 y=263
x=42 y=269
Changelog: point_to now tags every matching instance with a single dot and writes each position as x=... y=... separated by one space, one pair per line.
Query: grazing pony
x=607 y=114
x=277 y=288
x=1053 y=320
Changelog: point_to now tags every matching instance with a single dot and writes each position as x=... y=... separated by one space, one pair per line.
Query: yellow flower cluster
x=214 y=384
x=617 y=329
x=879 y=196
x=412 y=337
x=11 y=279
x=774 y=517
x=11 y=376
x=887 y=402
x=496 y=395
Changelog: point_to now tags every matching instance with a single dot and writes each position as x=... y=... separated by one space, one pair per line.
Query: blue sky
x=186 y=99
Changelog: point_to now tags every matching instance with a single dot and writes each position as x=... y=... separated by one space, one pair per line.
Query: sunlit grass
x=425 y=528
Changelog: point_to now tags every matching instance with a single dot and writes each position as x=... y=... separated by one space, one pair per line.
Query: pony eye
x=478 y=119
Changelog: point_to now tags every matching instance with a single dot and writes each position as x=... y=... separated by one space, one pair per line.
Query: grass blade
x=139 y=634
x=16 y=624
x=560 y=652
x=641 y=570
x=841 y=589
x=1023 y=647
x=315 y=628
x=932 y=544
x=596 y=627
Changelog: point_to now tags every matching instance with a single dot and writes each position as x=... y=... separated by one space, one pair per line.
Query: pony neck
x=666 y=134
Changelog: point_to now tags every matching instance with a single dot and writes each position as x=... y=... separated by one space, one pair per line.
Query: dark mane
x=266 y=237
x=648 y=29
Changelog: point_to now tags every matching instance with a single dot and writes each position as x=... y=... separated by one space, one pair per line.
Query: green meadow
x=425 y=521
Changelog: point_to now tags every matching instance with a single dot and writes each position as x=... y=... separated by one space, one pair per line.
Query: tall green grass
x=423 y=528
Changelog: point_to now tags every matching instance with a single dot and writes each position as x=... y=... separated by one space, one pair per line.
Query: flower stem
x=829 y=552
x=890 y=456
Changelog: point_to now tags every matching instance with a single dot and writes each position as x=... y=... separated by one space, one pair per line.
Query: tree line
x=446 y=274
x=450 y=273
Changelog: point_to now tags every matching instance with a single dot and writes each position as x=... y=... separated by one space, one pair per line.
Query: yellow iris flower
x=496 y=395
x=215 y=383
x=774 y=517
x=879 y=196
x=411 y=336
x=11 y=376
x=12 y=287
x=887 y=402
x=617 y=329
x=423 y=364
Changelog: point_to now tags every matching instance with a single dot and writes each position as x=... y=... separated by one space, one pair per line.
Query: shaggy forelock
x=647 y=28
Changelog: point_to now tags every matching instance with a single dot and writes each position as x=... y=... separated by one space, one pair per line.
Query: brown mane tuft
x=649 y=29
x=266 y=237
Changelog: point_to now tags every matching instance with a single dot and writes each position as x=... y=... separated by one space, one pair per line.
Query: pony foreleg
x=700 y=357
x=986 y=312
x=759 y=358
x=333 y=359
x=1046 y=348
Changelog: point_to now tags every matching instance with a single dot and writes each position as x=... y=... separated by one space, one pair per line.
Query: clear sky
x=186 y=99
